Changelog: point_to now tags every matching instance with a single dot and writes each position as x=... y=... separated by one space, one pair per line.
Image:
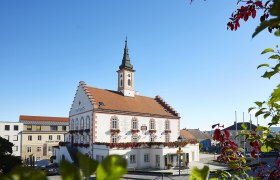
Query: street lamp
x=179 y=153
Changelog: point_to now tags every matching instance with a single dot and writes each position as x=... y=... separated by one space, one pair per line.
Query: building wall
x=81 y=118
x=14 y=136
x=103 y=124
x=40 y=149
x=191 y=151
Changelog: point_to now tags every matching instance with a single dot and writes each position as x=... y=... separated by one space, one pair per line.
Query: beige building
x=40 y=134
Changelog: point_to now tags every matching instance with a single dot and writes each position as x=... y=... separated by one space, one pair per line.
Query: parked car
x=270 y=154
x=52 y=169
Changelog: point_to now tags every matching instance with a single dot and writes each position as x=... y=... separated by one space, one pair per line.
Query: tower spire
x=126 y=60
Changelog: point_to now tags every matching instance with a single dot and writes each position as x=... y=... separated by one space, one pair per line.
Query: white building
x=12 y=132
x=104 y=122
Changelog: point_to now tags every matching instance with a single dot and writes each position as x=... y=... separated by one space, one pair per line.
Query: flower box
x=151 y=131
x=133 y=131
x=115 y=131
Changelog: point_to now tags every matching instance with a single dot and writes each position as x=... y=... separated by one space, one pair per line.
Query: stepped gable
x=167 y=106
x=114 y=101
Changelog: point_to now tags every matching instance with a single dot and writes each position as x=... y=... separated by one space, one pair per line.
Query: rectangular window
x=15 y=127
x=7 y=127
x=7 y=137
x=29 y=138
x=53 y=128
x=29 y=127
x=58 y=137
x=50 y=137
x=15 y=138
x=114 y=139
x=29 y=149
x=134 y=138
x=49 y=148
x=15 y=148
x=38 y=128
x=146 y=158
x=167 y=138
x=63 y=128
x=39 y=149
x=132 y=159
x=39 y=137
x=152 y=138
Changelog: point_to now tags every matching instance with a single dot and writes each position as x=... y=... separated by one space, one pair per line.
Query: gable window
x=88 y=122
x=114 y=139
x=114 y=122
x=77 y=124
x=82 y=123
x=152 y=124
x=72 y=124
x=7 y=127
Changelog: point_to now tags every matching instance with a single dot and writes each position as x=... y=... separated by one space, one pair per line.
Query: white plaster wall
x=83 y=106
x=102 y=122
x=11 y=133
x=81 y=109
x=139 y=153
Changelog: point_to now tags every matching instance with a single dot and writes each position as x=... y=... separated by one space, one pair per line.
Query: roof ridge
x=166 y=105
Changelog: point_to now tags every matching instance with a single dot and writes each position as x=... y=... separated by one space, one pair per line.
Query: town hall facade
x=139 y=128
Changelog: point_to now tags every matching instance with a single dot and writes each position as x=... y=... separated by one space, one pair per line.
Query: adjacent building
x=203 y=137
x=40 y=134
x=235 y=129
x=141 y=129
x=12 y=132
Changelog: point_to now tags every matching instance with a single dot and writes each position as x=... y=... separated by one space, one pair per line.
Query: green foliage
x=199 y=174
x=244 y=126
x=7 y=160
x=87 y=165
x=69 y=171
x=273 y=22
x=111 y=168
x=24 y=173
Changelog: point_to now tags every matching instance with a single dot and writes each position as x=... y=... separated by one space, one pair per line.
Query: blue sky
x=180 y=51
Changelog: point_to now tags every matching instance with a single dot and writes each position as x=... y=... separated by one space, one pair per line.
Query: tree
x=8 y=161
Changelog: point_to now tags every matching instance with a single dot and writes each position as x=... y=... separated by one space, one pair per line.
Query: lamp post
x=179 y=153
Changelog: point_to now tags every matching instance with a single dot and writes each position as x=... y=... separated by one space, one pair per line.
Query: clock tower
x=126 y=75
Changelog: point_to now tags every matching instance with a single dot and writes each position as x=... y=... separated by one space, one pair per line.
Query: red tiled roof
x=43 y=118
x=114 y=100
x=186 y=134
